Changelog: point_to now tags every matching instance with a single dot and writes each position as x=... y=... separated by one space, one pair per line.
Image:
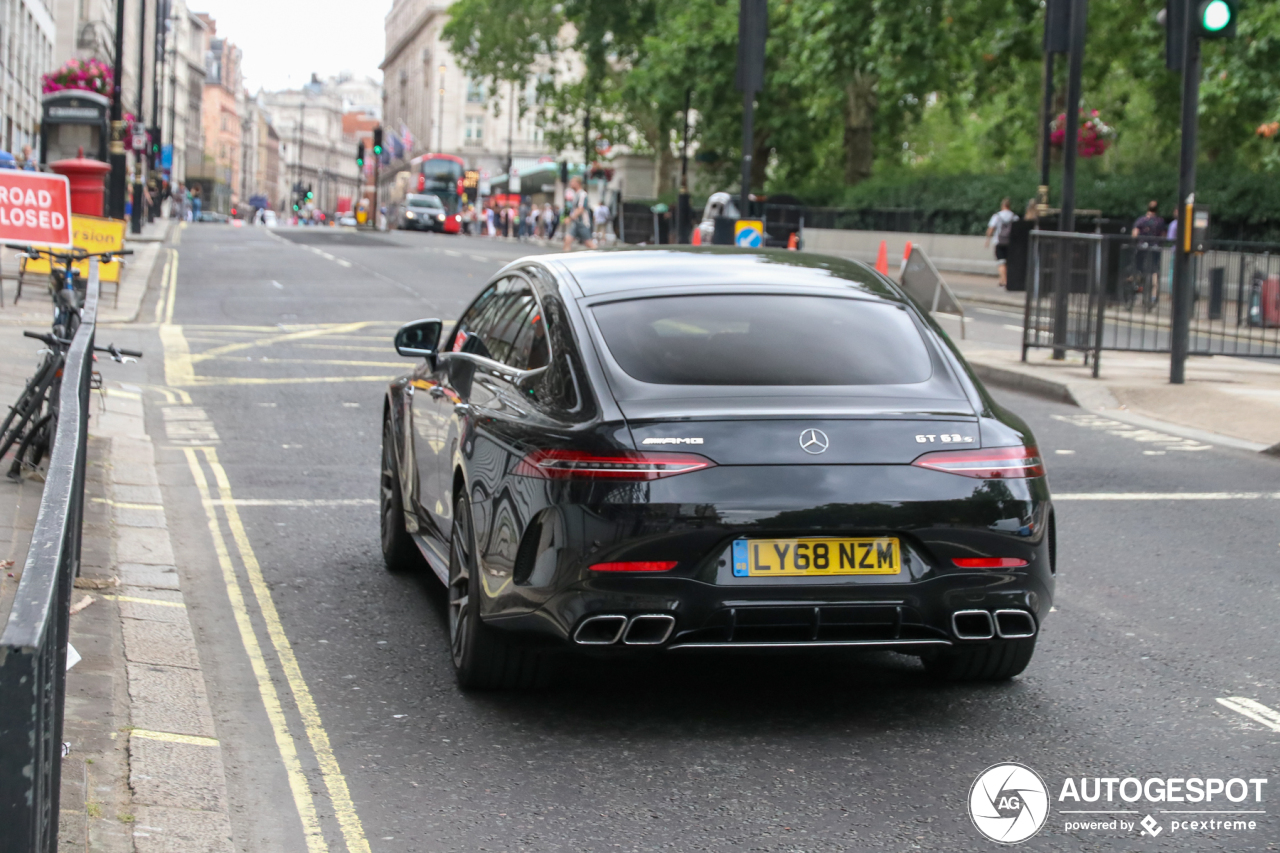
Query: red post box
x=87 y=182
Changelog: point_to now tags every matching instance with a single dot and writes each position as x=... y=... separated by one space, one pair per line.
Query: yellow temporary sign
x=93 y=234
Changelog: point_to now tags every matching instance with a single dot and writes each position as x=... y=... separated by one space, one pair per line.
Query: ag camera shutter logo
x=1009 y=803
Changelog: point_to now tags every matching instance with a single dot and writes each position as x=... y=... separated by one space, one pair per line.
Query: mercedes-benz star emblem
x=814 y=441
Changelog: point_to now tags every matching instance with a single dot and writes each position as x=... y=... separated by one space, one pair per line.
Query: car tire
x=999 y=660
x=484 y=658
x=399 y=551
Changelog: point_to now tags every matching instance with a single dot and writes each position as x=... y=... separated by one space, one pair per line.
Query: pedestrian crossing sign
x=748 y=233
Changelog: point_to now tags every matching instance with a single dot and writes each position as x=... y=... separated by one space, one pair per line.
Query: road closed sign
x=748 y=233
x=35 y=208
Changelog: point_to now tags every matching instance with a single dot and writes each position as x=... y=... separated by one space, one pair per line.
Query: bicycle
x=33 y=421
x=66 y=286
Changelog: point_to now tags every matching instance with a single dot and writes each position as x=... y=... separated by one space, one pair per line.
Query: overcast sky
x=285 y=40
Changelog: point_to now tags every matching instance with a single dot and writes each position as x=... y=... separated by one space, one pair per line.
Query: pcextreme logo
x=1009 y=803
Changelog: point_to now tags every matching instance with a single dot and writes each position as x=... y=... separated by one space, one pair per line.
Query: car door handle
x=436 y=392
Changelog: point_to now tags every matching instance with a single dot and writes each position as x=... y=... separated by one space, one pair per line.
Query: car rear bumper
x=905 y=616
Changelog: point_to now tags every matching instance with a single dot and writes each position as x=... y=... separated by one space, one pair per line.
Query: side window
x=508 y=323
x=470 y=321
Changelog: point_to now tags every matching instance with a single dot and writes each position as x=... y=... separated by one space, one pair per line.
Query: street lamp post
x=119 y=162
x=440 y=110
x=139 y=161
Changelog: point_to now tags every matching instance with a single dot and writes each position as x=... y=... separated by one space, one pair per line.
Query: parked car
x=348 y=220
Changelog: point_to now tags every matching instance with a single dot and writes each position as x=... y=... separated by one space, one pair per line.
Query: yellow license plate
x=768 y=558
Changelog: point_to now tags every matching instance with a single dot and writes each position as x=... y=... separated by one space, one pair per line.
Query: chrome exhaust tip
x=973 y=625
x=600 y=630
x=1015 y=624
x=650 y=629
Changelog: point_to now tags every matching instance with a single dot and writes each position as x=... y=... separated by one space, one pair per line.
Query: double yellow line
x=339 y=795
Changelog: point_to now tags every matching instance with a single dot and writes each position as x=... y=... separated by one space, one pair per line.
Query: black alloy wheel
x=398 y=549
x=484 y=658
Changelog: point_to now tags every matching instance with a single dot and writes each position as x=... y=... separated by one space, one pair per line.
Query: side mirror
x=419 y=339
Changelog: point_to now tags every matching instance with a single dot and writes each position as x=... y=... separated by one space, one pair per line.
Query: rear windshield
x=424 y=201
x=762 y=339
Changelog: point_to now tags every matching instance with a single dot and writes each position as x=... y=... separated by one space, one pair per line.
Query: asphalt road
x=282 y=342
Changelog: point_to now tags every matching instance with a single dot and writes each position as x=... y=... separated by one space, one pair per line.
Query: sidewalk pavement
x=33 y=310
x=143 y=772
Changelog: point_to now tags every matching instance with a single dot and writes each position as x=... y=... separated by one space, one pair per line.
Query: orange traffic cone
x=882 y=259
x=906 y=256
x=697 y=237
x=792 y=242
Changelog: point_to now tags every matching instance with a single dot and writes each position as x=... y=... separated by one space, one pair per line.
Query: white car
x=349 y=220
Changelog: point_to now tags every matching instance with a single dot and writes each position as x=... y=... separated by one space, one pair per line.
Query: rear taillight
x=619 y=465
x=636 y=566
x=989 y=563
x=996 y=463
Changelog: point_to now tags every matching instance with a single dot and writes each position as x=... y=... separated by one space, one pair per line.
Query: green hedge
x=1244 y=204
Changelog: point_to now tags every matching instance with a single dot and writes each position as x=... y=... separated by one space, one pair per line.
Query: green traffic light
x=295 y=207
x=311 y=195
x=1215 y=16
x=377 y=149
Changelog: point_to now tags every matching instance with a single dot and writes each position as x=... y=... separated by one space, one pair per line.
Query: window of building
x=475 y=92
x=474 y=131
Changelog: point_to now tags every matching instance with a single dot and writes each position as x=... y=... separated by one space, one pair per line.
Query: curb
x=175 y=771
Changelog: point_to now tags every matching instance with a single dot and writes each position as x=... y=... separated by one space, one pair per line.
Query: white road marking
x=343 y=263
x=1124 y=430
x=997 y=311
x=1167 y=496
x=293 y=503
x=277 y=284
x=1011 y=327
x=1064 y=452
x=1255 y=711
x=481 y=259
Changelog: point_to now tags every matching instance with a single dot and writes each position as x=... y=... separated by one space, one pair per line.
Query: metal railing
x=1116 y=293
x=33 y=647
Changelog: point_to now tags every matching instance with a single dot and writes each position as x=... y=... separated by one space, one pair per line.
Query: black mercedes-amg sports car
x=670 y=450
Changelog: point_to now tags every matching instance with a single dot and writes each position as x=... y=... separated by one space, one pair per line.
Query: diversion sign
x=35 y=208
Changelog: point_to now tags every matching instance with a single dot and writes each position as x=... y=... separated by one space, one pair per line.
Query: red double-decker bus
x=441 y=176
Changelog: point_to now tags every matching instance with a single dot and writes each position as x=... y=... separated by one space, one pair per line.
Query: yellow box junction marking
x=339 y=794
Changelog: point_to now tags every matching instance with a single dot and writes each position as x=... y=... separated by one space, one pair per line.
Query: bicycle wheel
x=36 y=443
x=28 y=407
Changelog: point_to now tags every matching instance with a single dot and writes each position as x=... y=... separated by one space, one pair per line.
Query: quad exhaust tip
x=646 y=629
x=651 y=629
x=600 y=630
x=981 y=625
x=1015 y=624
x=973 y=625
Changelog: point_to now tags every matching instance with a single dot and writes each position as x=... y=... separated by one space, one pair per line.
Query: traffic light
x=360 y=153
x=310 y=194
x=377 y=141
x=1217 y=19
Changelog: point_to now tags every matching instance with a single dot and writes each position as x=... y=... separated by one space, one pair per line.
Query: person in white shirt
x=1000 y=226
x=602 y=220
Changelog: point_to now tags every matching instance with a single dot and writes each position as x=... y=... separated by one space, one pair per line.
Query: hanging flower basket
x=1094 y=136
x=90 y=75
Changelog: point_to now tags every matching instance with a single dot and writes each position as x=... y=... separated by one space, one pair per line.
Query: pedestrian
x=548 y=221
x=1000 y=227
x=1147 y=229
x=1172 y=232
x=602 y=220
x=526 y=226
x=579 y=215
x=195 y=202
x=28 y=161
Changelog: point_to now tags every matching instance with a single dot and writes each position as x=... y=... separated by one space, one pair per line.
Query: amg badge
x=672 y=441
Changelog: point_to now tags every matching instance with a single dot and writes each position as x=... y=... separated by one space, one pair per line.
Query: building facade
x=221 y=118
x=316 y=151
x=27 y=41
x=182 y=90
x=428 y=95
